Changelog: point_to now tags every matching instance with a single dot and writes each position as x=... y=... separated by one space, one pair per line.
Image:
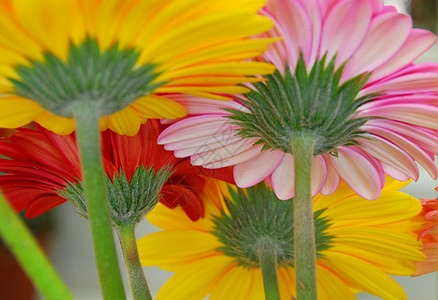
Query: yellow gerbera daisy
x=124 y=55
x=359 y=243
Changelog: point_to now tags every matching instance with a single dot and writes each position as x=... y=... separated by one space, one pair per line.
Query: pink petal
x=244 y=154
x=186 y=129
x=404 y=84
x=394 y=172
x=319 y=174
x=283 y=178
x=332 y=179
x=390 y=154
x=197 y=106
x=358 y=172
x=417 y=114
x=257 y=169
x=418 y=135
x=387 y=33
x=424 y=159
x=203 y=144
x=344 y=29
x=314 y=12
x=418 y=42
x=297 y=29
x=210 y=156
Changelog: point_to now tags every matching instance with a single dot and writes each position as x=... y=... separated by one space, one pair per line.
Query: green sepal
x=258 y=218
x=130 y=200
x=315 y=103
x=111 y=78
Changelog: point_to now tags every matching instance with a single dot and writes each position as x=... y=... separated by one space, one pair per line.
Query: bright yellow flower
x=125 y=55
x=359 y=243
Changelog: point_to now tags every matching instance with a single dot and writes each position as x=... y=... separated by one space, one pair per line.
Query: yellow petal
x=169 y=219
x=47 y=22
x=226 y=68
x=331 y=287
x=391 y=206
x=394 y=265
x=16 y=111
x=125 y=122
x=363 y=275
x=286 y=282
x=158 y=107
x=197 y=280
x=257 y=291
x=379 y=240
x=208 y=89
x=57 y=124
x=234 y=284
x=11 y=36
x=173 y=249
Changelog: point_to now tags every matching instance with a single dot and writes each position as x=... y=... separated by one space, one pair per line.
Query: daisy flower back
x=358 y=242
x=346 y=77
x=121 y=55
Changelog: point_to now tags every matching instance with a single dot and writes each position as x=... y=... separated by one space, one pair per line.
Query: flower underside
x=258 y=218
x=129 y=200
x=110 y=79
x=314 y=104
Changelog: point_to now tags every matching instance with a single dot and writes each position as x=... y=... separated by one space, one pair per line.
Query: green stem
x=137 y=280
x=89 y=142
x=304 y=232
x=268 y=264
x=33 y=260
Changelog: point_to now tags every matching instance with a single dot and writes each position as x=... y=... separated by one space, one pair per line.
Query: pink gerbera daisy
x=346 y=77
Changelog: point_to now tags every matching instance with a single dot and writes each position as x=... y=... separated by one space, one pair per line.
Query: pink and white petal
x=194 y=127
x=418 y=42
x=344 y=29
x=332 y=179
x=283 y=178
x=389 y=153
x=404 y=84
x=314 y=12
x=418 y=135
x=358 y=172
x=253 y=171
x=297 y=30
x=203 y=144
x=197 y=106
x=319 y=174
x=222 y=153
x=394 y=172
x=417 y=114
x=376 y=49
x=420 y=156
x=376 y=163
x=235 y=159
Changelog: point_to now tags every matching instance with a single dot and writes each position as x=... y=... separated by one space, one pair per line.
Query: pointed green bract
x=258 y=218
x=313 y=103
x=110 y=78
x=129 y=200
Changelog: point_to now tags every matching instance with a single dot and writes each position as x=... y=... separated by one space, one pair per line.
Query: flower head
x=40 y=165
x=358 y=242
x=122 y=55
x=429 y=236
x=346 y=78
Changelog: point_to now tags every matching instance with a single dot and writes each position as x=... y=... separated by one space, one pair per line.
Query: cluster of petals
x=38 y=163
x=370 y=239
x=198 y=47
x=429 y=236
x=366 y=37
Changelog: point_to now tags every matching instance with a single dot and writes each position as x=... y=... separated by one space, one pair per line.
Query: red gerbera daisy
x=39 y=164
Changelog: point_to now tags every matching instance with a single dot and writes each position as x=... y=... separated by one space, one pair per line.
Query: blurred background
x=66 y=237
